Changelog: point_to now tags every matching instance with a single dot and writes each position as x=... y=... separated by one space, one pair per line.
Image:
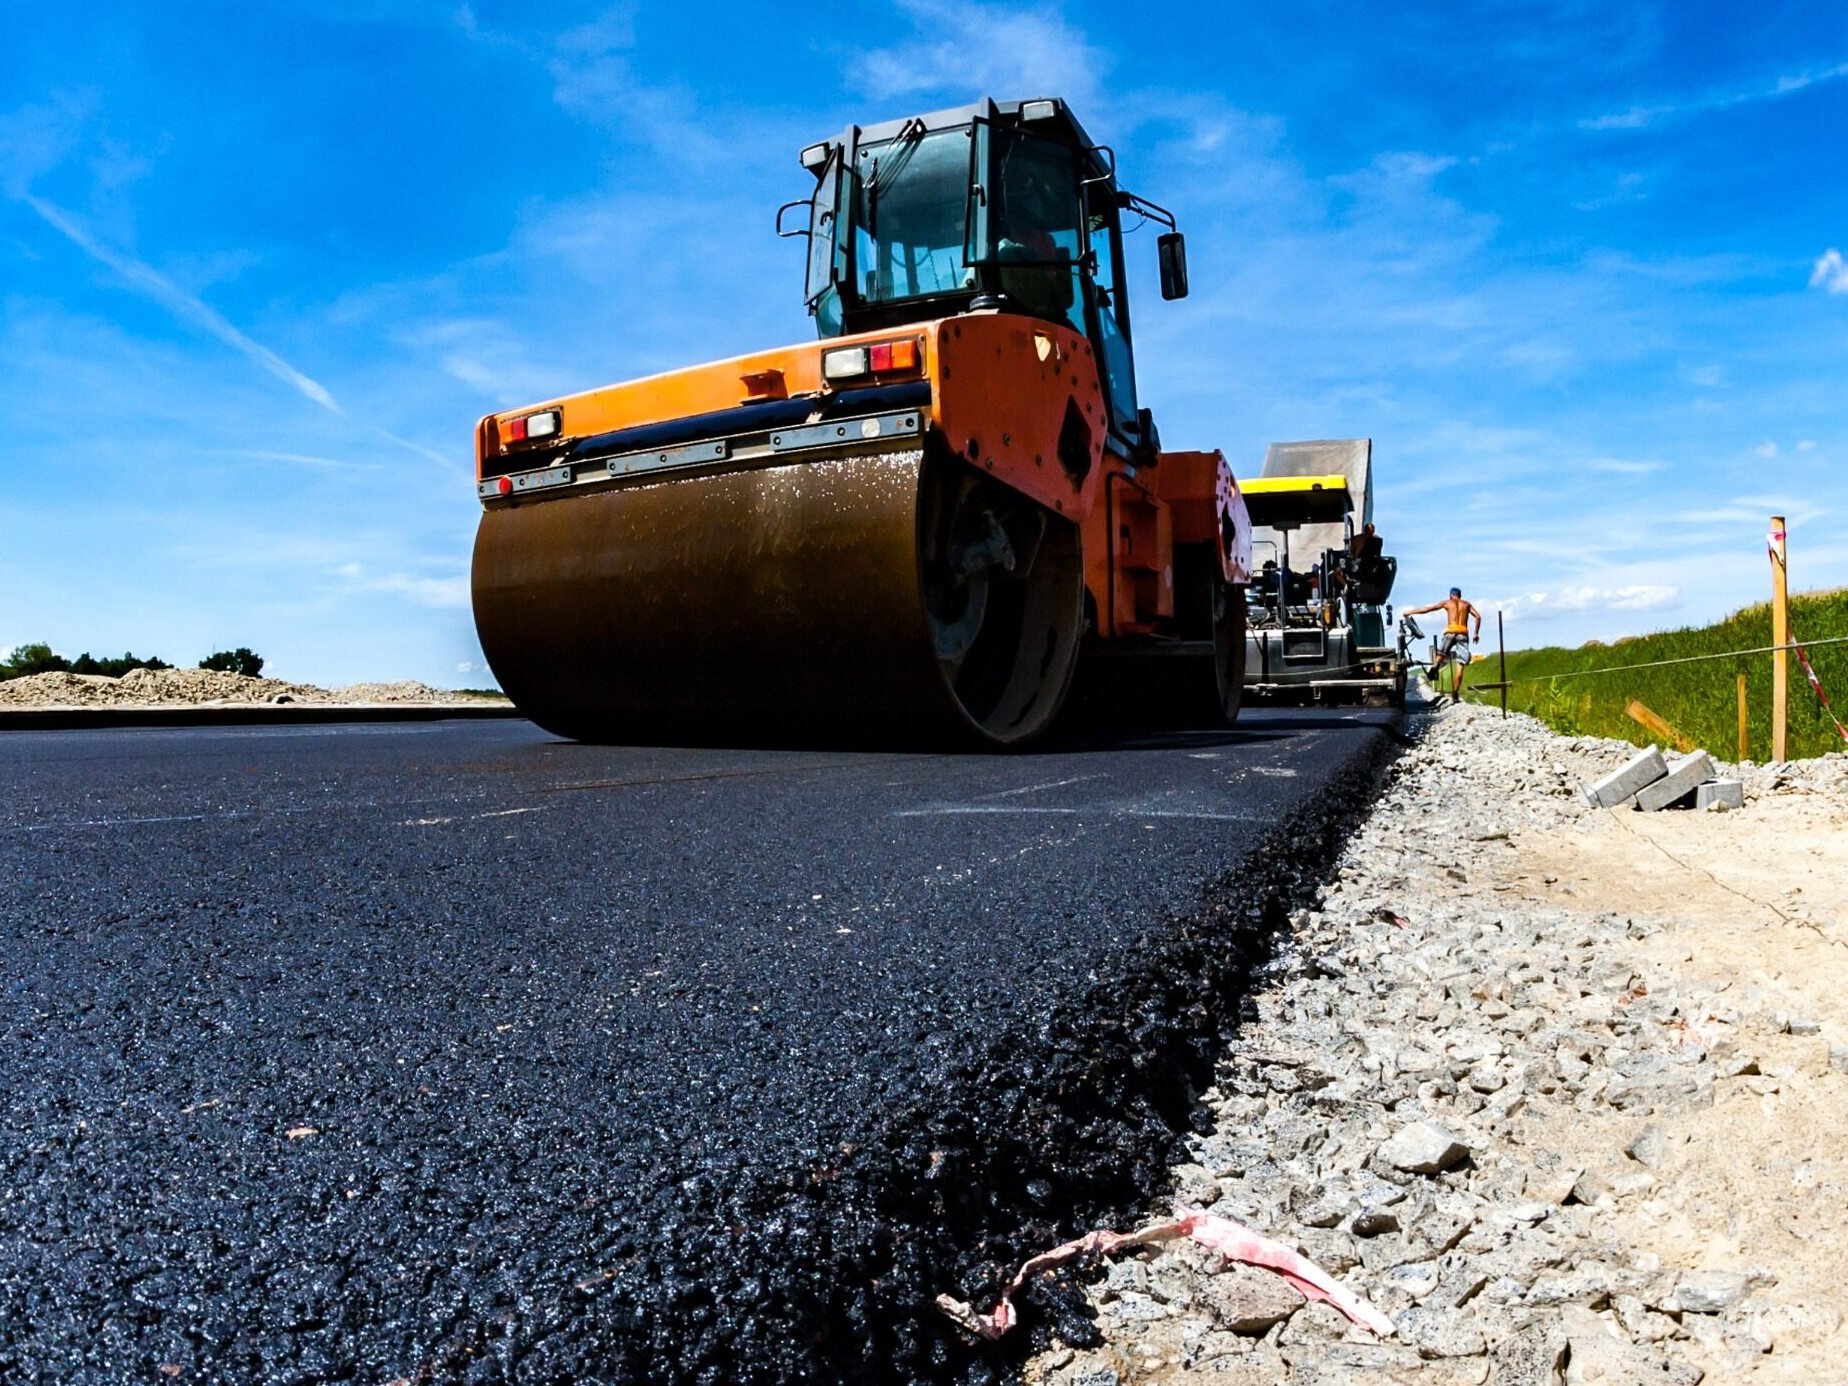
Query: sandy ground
x=1756 y=904
x=208 y=688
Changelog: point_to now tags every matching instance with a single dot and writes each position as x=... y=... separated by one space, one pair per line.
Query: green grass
x=1698 y=700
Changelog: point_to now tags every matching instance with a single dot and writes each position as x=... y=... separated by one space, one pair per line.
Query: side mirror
x=1171 y=250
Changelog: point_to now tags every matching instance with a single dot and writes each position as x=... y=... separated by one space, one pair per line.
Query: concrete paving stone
x=1684 y=776
x=1719 y=795
x=1620 y=785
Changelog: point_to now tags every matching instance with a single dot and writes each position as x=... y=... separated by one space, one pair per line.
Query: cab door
x=1107 y=305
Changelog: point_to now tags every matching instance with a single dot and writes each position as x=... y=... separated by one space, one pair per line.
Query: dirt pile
x=203 y=687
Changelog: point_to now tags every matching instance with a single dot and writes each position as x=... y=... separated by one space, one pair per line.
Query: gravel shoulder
x=1562 y=1090
x=167 y=688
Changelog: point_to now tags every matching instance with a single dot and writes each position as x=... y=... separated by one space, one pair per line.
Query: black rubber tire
x=1228 y=648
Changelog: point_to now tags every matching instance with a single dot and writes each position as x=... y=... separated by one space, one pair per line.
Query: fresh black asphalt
x=454 y=1052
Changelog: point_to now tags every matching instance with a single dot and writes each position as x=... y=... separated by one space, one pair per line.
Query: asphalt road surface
x=453 y=1052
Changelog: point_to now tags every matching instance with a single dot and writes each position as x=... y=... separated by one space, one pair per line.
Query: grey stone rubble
x=1377 y=1116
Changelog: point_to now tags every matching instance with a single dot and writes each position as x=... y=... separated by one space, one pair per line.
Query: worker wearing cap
x=1457 y=636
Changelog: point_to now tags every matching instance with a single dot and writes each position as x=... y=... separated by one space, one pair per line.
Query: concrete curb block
x=1720 y=794
x=1683 y=777
x=1618 y=787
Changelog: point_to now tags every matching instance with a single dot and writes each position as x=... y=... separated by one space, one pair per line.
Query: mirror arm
x=1130 y=202
x=799 y=231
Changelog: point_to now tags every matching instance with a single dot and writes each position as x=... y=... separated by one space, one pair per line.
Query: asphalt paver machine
x=1319 y=621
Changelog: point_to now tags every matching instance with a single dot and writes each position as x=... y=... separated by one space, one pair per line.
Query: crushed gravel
x=1483 y=1104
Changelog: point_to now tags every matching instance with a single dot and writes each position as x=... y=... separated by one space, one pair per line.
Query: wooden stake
x=1658 y=726
x=1502 y=644
x=1742 y=740
x=1780 y=637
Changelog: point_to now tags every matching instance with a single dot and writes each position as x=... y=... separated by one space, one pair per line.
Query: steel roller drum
x=807 y=598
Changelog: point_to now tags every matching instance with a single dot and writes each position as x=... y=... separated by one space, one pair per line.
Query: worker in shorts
x=1457 y=636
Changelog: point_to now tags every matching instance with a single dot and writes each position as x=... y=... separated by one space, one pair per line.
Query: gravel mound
x=202 y=687
x=1453 y=1094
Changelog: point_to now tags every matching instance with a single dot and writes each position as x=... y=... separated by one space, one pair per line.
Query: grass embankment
x=1584 y=692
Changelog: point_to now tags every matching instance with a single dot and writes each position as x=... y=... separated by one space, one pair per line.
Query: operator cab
x=996 y=206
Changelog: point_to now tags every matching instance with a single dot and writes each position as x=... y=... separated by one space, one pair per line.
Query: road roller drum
x=868 y=592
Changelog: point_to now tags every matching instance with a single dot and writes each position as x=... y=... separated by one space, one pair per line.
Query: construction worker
x=1457 y=637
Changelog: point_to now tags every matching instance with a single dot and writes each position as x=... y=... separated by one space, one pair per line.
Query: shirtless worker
x=1457 y=637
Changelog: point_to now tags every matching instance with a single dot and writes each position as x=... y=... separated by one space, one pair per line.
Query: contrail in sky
x=181 y=304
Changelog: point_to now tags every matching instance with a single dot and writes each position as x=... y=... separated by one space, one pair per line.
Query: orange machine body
x=1010 y=395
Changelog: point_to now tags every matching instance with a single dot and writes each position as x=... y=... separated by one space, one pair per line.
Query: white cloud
x=1831 y=272
x=987 y=49
x=1786 y=85
x=152 y=284
x=1806 y=445
x=1633 y=119
x=595 y=79
x=1749 y=510
x=36 y=139
x=442 y=593
x=1767 y=450
x=1397 y=173
x=1639 y=117
x=301 y=459
x=1585 y=601
x=1624 y=468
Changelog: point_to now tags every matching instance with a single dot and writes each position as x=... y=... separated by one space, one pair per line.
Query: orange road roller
x=927 y=521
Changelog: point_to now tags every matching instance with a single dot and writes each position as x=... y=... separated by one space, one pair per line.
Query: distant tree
x=242 y=660
x=32 y=659
x=86 y=663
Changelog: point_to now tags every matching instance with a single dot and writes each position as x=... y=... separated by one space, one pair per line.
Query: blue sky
x=1575 y=267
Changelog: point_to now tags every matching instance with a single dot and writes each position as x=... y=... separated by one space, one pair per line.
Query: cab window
x=1035 y=225
x=1111 y=336
x=910 y=213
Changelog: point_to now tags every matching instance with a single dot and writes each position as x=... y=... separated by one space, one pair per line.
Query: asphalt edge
x=1076 y=1130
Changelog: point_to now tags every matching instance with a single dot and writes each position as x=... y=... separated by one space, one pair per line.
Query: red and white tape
x=1816 y=683
x=1771 y=542
x=1232 y=1240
